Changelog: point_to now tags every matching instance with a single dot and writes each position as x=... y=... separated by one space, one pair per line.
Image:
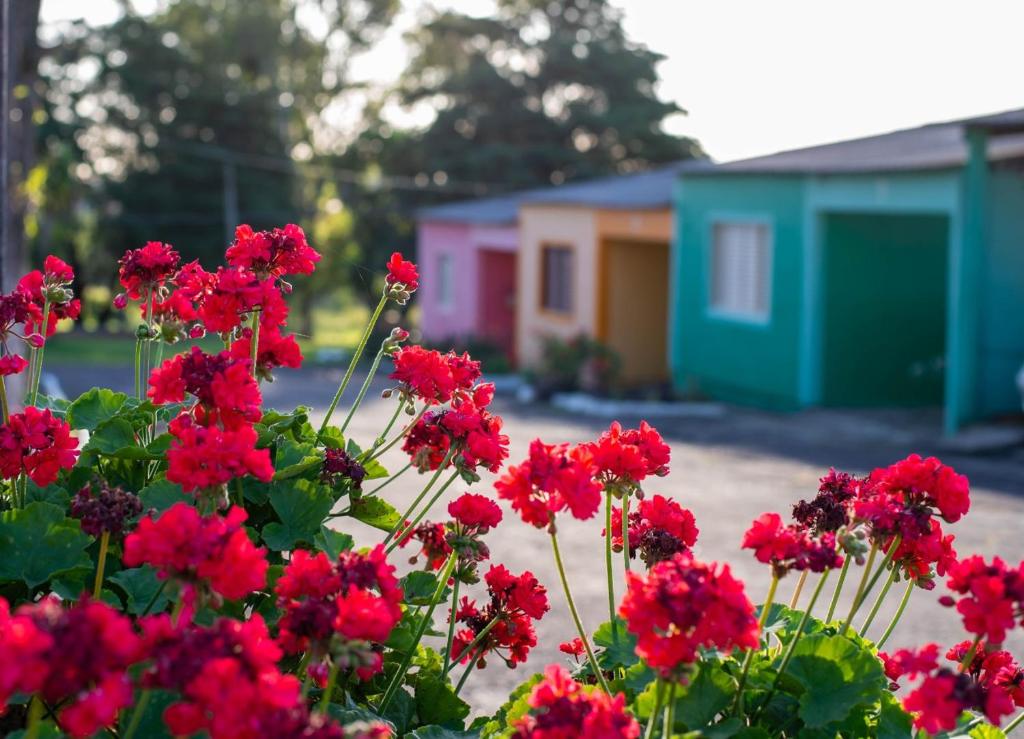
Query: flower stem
x=352 y=363
x=362 y=391
x=670 y=713
x=467 y=673
x=477 y=641
x=396 y=681
x=387 y=482
x=799 y=588
x=401 y=435
x=332 y=678
x=659 y=701
x=969 y=657
x=254 y=340
x=423 y=493
x=35 y=715
x=37 y=356
x=101 y=563
x=138 y=368
x=302 y=672
x=878 y=602
x=625 y=530
x=140 y=710
x=1017 y=721
x=860 y=588
x=426 y=509
x=890 y=553
x=608 y=561
x=749 y=658
x=838 y=590
x=575 y=614
x=3 y=401
x=899 y=613
x=451 y=628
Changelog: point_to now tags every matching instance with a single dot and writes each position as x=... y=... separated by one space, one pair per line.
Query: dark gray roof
x=935 y=146
x=494 y=211
x=650 y=189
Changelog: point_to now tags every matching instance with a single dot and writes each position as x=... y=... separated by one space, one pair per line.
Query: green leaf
x=436 y=702
x=140 y=585
x=302 y=506
x=294 y=459
x=893 y=721
x=161 y=495
x=619 y=645
x=45 y=730
x=54 y=494
x=331 y=542
x=440 y=732
x=986 y=731
x=709 y=693
x=419 y=587
x=837 y=675
x=511 y=711
x=115 y=437
x=376 y=513
x=94 y=407
x=401 y=710
x=38 y=542
x=152 y=722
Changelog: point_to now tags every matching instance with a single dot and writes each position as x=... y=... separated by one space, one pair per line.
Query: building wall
x=562 y=225
x=461 y=242
x=727 y=358
x=1001 y=334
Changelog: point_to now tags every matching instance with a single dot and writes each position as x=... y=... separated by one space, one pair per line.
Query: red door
x=498 y=299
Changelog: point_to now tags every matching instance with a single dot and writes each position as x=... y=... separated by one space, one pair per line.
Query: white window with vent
x=445 y=282
x=741 y=271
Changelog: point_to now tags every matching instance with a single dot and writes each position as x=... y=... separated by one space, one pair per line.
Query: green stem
x=139 y=389
x=387 y=482
x=362 y=390
x=303 y=673
x=423 y=493
x=35 y=714
x=396 y=681
x=969 y=657
x=465 y=675
x=749 y=658
x=254 y=341
x=838 y=590
x=796 y=592
x=878 y=602
x=899 y=614
x=426 y=509
x=575 y=614
x=860 y=588
x=332 y=678
x=382 y=437
x=37 y=355
x=101 y=563
x=451 y=628
x=352 y=364
x=670 y=713
x=477 y=641
x=609 y=568
x=659 y=701
x=1017 y=721
x=3 y=401
x=881 y=568
x=625 y=530
x=140 y=709
x=400 y=436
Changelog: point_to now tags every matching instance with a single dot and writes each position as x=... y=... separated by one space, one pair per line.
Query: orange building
x=594 y=259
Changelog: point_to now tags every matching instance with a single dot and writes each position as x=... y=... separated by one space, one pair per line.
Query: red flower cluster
x=402 y=279
x=829 y=510
x=49 y=288
x=927 y=555
x=659 y=529
x=272 y=351
x=516 y=601
x=990 y=684
x=553 y=478
x=625 y=458
x=143 y=271
x=926 y=482
x=473 y=516
x=992 y=596
x=212 y=551
x=230 y=685
x=790 y=547
x=355 y=597
x=475 y=512
x=282 y=251
x=683 y=604
x=77 y=656
x=433 y=377
x=14 y=310
x=339 y=467
x=204 y=458
x=433 y=540
x=105 y=509
x=37 y=443
x=561 y=708
x=232 y=293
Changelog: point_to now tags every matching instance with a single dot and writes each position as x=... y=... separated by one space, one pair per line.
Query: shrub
x=174 y=571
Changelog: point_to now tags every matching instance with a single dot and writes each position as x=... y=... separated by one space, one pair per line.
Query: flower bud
x=142 y=331
x=120 y=301
x=35 y=340
x=197 y=332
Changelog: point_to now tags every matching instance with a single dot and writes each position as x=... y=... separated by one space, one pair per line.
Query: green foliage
x=142 y=589
x=375 y=512
x=301 y=507
x=94 y=407
x=38 y=542
x=619 y=645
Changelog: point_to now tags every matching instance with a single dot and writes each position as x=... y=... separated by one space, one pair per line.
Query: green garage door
x=885 y=285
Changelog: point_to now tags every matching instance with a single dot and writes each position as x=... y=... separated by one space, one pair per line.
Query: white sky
x=759 y=76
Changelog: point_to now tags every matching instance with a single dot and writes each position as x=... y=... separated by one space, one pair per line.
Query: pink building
x=467 y=259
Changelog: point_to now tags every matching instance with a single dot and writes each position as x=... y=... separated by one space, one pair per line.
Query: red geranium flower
x=212 y=551
x=49 y=286
x=926 y=481
x=475 y=511
x=226 y=391
x=203 y=459
x=551 y=479
x=627 y=457
x=402 y=272
x=145 y=269
x=433 y=540
x=282 y=251
x=423 y=373
x=38 y=443
x=790 y=547
x=104 y=508
x=273 y=351
x=992 y=599
x=560 y=708
x=658 y=529
x=682 y=605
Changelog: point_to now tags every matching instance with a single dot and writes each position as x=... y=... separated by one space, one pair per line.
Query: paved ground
x=727 y=470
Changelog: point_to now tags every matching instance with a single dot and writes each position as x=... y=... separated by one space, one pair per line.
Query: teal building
x=883 y=271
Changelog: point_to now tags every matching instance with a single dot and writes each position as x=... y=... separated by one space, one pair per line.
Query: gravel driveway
x=725 y=470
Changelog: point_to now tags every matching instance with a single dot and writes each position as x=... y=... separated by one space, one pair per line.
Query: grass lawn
x=332 y=329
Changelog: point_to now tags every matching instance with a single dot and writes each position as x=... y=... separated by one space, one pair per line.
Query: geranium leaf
x=331 y=542
x=50 y=494
x=161 y=495
x=294 y=459
x=375 y=512
x=440 y=732
x=836 y=675
x=436 y=702
x=301 y=506
x=94 y=407
x=710 y=692
x=401 y=710
x=140 y=585
x=619 y=645
x=419 y=587
x=38 y=542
